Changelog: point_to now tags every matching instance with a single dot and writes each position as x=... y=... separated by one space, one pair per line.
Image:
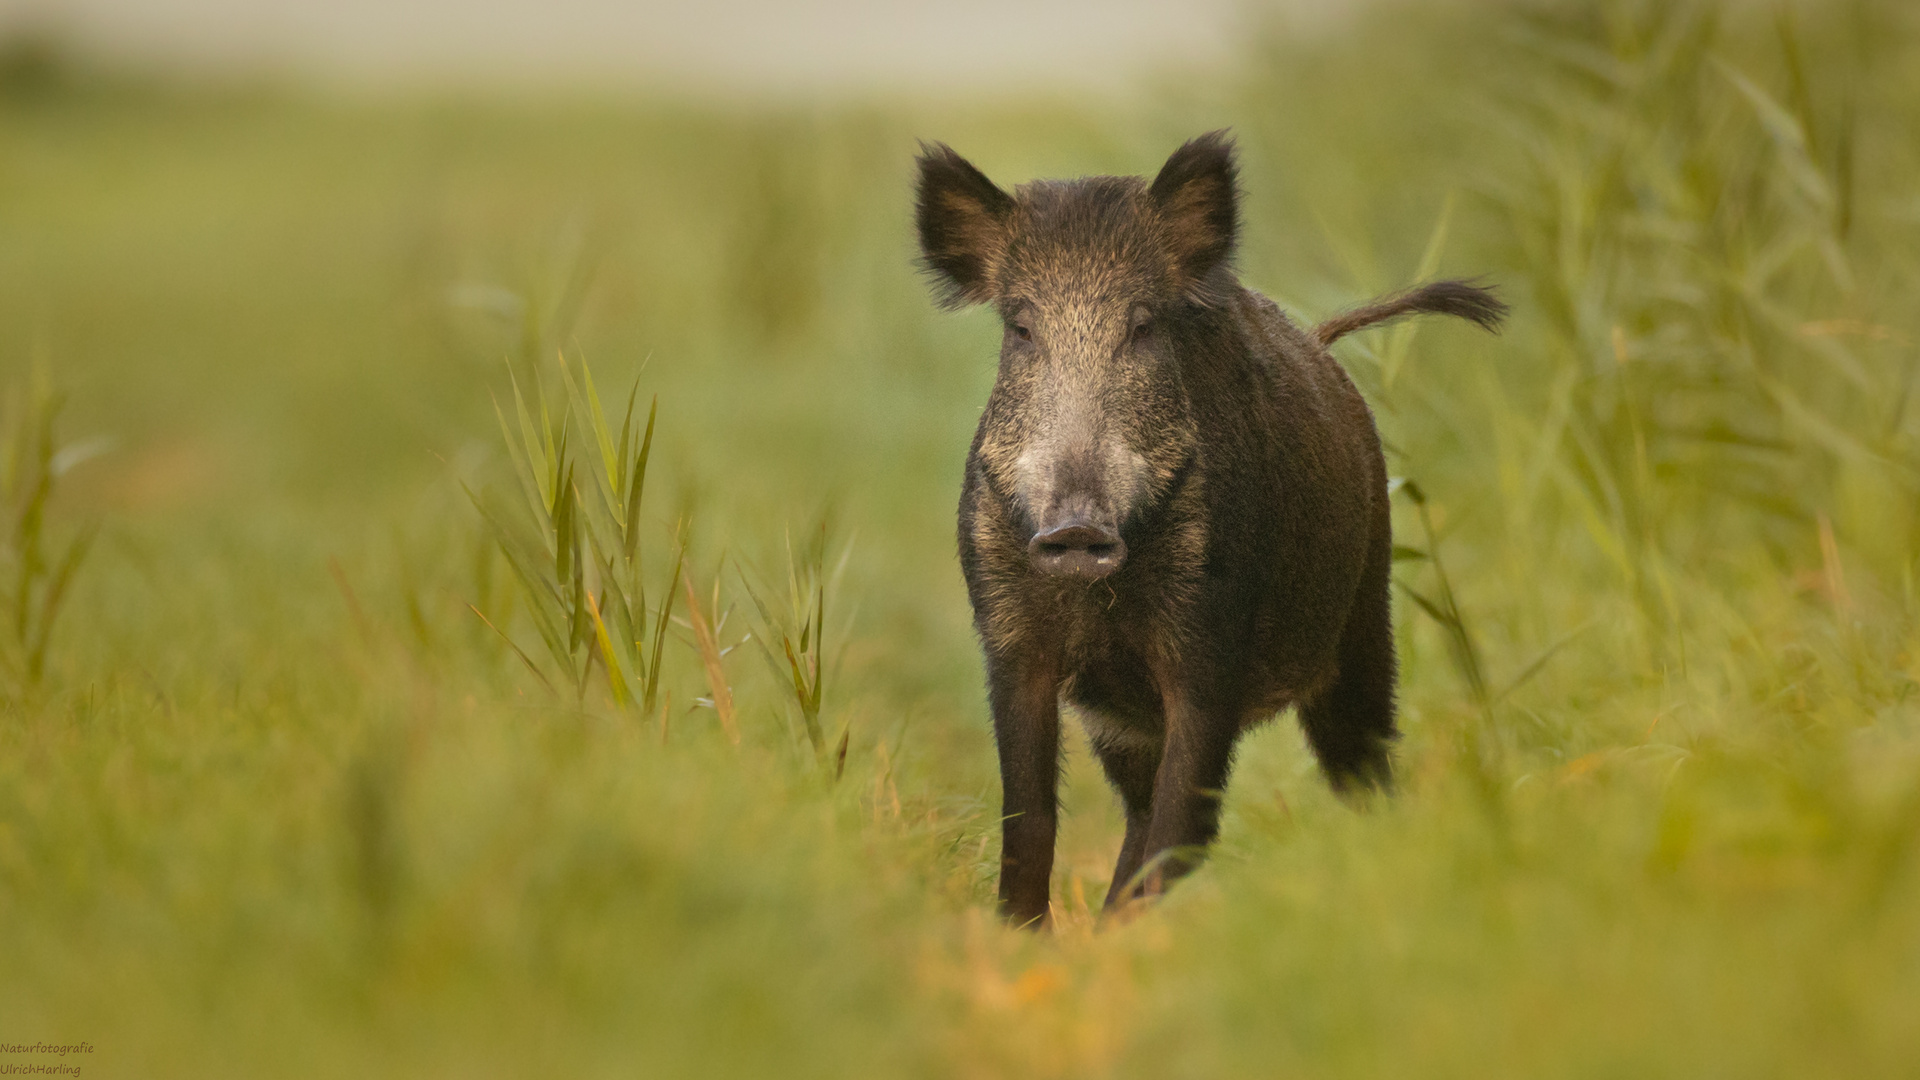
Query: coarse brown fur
x=1175 y=510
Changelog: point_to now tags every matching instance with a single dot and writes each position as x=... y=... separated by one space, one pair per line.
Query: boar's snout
x=1078 y=549
x=1077 y=523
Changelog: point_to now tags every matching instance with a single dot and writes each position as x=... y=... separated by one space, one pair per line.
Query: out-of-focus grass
x=282 y=806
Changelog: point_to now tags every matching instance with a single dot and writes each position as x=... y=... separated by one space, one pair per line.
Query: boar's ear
x=963 y=225
x=1199 y=205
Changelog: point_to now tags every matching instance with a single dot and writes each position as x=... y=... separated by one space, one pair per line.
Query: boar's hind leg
x=1130 y=767
x=1026 y=724
x=1350 y=724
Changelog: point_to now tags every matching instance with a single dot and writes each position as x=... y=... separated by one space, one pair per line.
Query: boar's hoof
x=1077 y=550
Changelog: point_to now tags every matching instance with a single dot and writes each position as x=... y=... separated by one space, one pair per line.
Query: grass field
x=280 y=804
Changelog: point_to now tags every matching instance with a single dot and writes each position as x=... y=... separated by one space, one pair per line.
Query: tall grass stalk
x=1479 y=738
x=35 y=571
x=706 y=626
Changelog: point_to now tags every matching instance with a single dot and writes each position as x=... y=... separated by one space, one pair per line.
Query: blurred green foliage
x=281 y=805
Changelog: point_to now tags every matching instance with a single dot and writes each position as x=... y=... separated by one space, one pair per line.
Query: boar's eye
x=1142 y=328
x=1022 y=332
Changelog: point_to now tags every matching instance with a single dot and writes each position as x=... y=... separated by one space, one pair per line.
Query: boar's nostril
x=1077 y=550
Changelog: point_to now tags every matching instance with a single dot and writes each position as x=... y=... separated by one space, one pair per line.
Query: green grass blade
x=536 y=451
x=616 y=677
x=51 y=599
x=638 y=482
x=660 y=628
x=527 y=477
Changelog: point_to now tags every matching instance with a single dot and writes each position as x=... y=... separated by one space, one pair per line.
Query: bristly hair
x=1461 y=299
x=960 y=214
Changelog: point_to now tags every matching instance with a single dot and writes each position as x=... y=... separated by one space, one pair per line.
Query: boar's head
x=1098 y=282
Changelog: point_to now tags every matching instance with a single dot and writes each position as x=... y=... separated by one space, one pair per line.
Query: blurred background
x=314 y=759
x=736 y=47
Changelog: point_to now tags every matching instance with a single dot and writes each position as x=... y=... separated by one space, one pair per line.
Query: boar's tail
x=1458 y=298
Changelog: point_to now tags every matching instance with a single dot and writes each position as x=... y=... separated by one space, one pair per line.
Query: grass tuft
x=577 y=549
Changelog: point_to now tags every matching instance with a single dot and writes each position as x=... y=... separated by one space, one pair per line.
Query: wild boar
x=1175 y=510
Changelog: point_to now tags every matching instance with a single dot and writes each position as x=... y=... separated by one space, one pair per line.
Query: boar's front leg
x=1025 y=692
x=1187 y=789
x=1131 y=767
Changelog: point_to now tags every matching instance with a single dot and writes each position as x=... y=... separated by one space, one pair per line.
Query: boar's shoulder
x=1305 y=378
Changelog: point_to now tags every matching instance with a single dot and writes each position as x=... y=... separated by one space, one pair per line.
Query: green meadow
x=352 y=740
